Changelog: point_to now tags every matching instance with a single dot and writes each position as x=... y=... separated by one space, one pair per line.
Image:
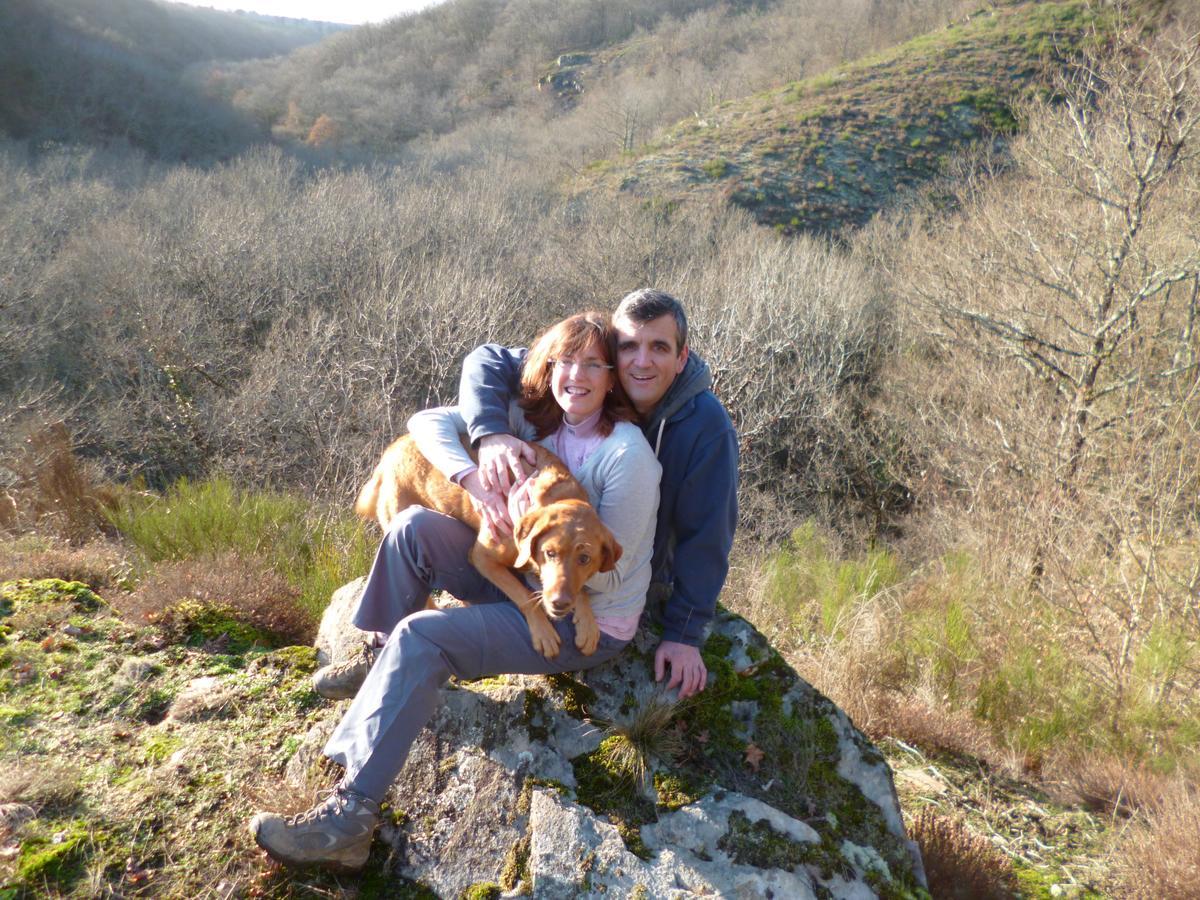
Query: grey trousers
x=424 y=551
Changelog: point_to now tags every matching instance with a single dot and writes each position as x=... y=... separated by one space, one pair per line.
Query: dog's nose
x=561 y=607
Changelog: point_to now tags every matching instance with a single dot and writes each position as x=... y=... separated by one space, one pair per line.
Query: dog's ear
x=610 y=553
x=525 y=534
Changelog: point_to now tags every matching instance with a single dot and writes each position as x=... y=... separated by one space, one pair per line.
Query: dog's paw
x=545 y=638
x=587 y=635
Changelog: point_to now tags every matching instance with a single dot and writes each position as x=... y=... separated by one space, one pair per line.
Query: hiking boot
x=341 y=681
x=335 y=834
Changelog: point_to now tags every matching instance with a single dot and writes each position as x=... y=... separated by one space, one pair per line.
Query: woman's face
x=580 y=382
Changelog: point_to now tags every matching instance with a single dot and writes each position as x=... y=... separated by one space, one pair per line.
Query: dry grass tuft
x=248 y=588
x=1159 y=854
x=960 y=864
x=99 y=564
x=932 y=729
x=54 y=491
x=648 y=735
x=47 y=785
x=1106 y=784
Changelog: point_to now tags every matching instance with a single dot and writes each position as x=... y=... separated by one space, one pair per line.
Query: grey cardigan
x=621 y=479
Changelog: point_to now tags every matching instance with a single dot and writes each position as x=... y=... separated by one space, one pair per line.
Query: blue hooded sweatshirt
x=695 y=441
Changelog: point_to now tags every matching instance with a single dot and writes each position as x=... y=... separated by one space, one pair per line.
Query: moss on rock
x=606 y=785
x=484 y=890
x=576 y=696
x=516 y=864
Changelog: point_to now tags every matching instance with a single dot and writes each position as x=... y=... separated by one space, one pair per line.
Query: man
x=695 y=442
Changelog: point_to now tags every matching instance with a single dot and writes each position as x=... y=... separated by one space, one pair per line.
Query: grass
x=807 y=580
x=124 y=803
x=1001 y=658
x=207 y=519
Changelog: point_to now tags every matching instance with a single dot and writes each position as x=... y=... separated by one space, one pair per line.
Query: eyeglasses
x=587 y=367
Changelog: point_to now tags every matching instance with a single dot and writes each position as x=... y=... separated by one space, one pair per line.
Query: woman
x=570 y=402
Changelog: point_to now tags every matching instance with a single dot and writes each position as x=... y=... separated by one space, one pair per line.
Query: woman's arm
x=437 y=435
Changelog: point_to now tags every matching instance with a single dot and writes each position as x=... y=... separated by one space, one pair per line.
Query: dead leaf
x=136 y=874
x=754 y=756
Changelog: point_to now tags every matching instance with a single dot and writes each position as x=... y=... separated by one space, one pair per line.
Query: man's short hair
x=645 y=304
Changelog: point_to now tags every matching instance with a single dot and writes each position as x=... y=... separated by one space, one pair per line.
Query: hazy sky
x=352 y=11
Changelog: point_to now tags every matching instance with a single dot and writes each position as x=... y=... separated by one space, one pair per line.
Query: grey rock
x=337 y=638
x=513 y=781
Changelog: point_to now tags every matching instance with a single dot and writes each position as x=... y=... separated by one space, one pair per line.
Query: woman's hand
x=500 y=458
x=491 y=505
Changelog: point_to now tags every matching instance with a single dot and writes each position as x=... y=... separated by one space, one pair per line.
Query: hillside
x=828 y=152
x=121 y=70
x=470 y=72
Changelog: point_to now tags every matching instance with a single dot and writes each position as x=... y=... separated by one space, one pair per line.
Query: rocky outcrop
x=598 y=785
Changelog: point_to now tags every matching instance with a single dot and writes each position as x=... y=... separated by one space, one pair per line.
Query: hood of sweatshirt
x=693 y=380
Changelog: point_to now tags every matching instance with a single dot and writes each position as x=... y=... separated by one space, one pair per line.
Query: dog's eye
x=551 y=554
x=584 y=559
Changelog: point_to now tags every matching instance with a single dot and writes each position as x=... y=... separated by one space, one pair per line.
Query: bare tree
x=1081 y=271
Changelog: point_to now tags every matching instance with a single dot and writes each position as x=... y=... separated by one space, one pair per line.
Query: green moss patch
x=758 y=844
x=576 y=696
x=57 y=860
x=516 y=865
x=198 y=622
x=606 y=785
x=485 y=890
x=44 y=591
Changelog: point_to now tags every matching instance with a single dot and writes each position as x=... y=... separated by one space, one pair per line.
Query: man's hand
x=492 y=505
x=500 y=458
x=687 y=668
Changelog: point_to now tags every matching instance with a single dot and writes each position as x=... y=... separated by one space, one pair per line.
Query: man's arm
x=491 y=377
x=703 y=523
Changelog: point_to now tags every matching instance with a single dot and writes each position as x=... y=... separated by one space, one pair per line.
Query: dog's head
x=566 y=543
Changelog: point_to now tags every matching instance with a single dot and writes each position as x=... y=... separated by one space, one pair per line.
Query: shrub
x=51 y=489
x=1159 y=855
x=959 y=864
x=212 y=520
x=243 y=590
x=99 y=564
x=821 y=589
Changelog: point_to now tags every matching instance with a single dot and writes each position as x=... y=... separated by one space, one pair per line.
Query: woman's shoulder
x=627 y=437
x=627 y=433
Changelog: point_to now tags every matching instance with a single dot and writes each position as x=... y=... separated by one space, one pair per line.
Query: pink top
x=575 y=443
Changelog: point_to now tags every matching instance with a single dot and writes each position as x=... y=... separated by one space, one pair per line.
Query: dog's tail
x=368 y=497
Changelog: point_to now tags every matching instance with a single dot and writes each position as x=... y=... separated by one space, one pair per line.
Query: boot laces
x=330 y=803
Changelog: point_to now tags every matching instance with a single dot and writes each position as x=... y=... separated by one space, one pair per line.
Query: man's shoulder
x=704 y=412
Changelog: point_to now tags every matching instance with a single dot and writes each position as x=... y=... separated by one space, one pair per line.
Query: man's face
x=648 y=359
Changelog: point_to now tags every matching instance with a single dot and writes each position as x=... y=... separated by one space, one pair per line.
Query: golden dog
x=560 y=536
